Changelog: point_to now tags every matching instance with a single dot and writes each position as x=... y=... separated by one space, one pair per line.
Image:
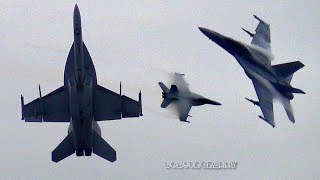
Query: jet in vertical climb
x=81 y=102
x=269 y=81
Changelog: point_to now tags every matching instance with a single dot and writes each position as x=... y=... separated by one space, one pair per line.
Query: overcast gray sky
x=140 y=43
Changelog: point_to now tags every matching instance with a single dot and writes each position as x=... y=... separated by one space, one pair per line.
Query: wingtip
x=256 y=17
x=22 y=107
x=272 y=124
x=114 y=159
x=185 y=121
x=259 y=19
x=301 y=64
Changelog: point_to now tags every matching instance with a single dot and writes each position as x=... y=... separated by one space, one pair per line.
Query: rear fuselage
x=258 y=71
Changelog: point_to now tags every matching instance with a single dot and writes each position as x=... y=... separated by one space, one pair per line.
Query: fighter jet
x=81 y=102
x=180 y=94
x=269 y=81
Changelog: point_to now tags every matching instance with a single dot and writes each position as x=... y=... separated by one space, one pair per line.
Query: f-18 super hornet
x=269 y=81
x=180 y=94
x=82 y=102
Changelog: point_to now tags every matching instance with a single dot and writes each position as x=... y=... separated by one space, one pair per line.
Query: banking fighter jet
x=182 y=97
x=269 y=81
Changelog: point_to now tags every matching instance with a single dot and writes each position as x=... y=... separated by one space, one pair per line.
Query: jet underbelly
x=81 y=102
x=86 y=112
x=249 y=66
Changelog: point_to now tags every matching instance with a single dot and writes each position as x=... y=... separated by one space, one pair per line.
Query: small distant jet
x=82 y=102
x=180 y=94
x=268 y=80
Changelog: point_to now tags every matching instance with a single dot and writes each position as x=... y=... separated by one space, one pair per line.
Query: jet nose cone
x=203 y=30
x=210 y=34
x=76 y=9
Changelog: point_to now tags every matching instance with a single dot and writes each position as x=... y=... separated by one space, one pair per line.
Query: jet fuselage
x=80 y=85
x=193 y=98
x=250 y=58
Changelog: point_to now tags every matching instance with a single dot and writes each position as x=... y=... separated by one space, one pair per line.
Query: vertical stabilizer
x=287 y=70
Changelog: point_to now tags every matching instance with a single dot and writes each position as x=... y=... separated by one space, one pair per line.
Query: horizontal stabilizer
x=64 y=149
x=288 y=89
x=163 y=87
x=295 y=90
x=287 y=69
x=165 y=103
x=102 y=148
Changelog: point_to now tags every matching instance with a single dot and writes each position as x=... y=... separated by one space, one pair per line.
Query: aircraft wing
x=265 y=102
x=109 y=105
x=54 y=107
x=183 y=108
x=180 y=82
x=262 y=36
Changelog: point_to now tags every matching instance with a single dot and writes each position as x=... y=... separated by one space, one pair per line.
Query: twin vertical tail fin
x=287 y=70
x=165 y=91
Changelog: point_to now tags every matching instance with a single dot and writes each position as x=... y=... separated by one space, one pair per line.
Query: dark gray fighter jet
x=180 y=94
x=269 y=81
x=82 y=102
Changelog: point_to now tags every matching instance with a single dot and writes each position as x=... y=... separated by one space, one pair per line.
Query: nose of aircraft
x=225 y=42
x=76 y=8
x=76 y=11
x=205 y=31
x=214 y=36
